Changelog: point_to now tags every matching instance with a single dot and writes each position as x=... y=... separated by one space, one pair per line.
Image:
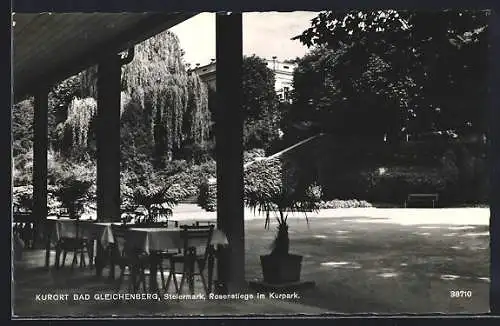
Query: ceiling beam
x=144 y=29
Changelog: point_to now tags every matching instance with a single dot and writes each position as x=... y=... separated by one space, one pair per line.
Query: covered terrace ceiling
x=49 y=47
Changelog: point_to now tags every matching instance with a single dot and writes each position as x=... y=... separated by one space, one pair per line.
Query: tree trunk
x=282 y=241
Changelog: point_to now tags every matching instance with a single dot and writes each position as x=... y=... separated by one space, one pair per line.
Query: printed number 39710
x=460 y=294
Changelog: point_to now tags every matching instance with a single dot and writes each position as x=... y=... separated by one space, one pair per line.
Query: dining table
x=154 y=240
x=151 y=240
x=60 y=227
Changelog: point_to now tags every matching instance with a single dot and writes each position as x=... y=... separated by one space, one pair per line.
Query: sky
x=265 y=34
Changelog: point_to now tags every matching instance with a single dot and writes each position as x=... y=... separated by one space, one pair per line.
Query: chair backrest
x=139 y=217
x=163 y=213
x=77 y=229
x=124 y=249
x=194 y=236
x=119 y=237
x=127 y=215
x=23 y=217
x=198 y=223
x=151 y=225
x=63 y=212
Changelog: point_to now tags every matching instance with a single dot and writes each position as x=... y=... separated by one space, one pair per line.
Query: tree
x=75 y=130
x=197 y=121
x=260 y=104
x=136 y=139
x=164 y=109
x=330 y=90
x=60 y=99
x=453 y=53
x=406 y=63
x=157 y=79
x=22 y=127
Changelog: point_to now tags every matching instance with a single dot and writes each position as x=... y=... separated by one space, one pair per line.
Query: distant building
x=207 y=74
x=283 y=73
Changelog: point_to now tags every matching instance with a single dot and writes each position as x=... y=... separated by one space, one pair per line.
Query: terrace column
x=108 y=139
x=494 y=158
x=40 y=142
x=229 y=149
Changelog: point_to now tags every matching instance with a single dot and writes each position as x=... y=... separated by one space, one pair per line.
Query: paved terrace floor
x=32 y=279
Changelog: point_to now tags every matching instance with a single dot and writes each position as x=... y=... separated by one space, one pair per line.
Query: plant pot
x=280 y=269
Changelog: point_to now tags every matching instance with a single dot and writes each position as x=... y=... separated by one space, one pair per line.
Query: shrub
x=21 y=177
x=128 y=182
x=23 y=169
x=207 y=197
x=350 y=203
x=192 y=177
x=23 y=197
x=198 y=153
x=74 y=184
x=393 y=184
x=174 y=167
x=263 y=177
x=137 y=171
x=53 y=203
x=277 y=183
x=253 y=154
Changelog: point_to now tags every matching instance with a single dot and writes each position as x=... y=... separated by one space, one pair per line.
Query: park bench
x=422 y=198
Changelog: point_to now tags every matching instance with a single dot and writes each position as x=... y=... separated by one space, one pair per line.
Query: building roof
x=49 y=47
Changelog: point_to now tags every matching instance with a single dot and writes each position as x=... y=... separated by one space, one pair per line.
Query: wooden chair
x=125 y=257
x=128 y=215
x=161 y=255
x=194 y=262
x=160 y=213
x=24 y=227
x=78 y=246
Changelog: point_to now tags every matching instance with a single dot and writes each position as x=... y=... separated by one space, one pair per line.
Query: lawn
x=382 y=267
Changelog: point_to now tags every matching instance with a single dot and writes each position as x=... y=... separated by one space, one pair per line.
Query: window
x=286 y=67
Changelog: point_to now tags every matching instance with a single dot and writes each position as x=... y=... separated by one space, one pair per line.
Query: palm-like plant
x=272 y=188
x=157 y=199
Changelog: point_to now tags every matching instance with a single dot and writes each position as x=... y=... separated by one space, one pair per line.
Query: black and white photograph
x=171 y=164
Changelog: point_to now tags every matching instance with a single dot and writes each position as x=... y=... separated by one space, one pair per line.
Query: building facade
x=207 y=73
x=283 y=73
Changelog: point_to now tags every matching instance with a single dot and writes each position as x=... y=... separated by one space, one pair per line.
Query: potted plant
x=157 y=200
x=274 y=189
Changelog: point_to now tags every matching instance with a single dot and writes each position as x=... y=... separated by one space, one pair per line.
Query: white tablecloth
x=65 y=227
x=146 y=239
x=149 y=239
